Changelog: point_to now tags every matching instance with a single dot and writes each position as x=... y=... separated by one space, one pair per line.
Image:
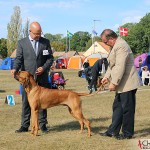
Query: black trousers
x=93 y=82
x=123 y=113
x=26 y=111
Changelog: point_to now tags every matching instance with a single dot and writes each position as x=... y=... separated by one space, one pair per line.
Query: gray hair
x=108 y=33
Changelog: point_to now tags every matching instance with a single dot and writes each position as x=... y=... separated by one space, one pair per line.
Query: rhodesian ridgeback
x=43 y=98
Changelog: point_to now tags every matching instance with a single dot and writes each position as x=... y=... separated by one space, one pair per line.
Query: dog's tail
x=84 y=94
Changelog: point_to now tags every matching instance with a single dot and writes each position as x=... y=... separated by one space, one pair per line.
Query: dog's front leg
x=35 y=124
x=32 y=122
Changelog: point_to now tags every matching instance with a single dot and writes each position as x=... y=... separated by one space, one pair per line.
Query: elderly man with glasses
x=124 y=80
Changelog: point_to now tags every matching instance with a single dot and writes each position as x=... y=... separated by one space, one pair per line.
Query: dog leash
x=99 y=89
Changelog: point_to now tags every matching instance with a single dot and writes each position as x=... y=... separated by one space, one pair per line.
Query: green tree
x=79 y=40
x=139 y=35
x=57 y=42
x=26 y=28
x=52 y=38
x=14 y=30
x=3 y=47
x=58 y=46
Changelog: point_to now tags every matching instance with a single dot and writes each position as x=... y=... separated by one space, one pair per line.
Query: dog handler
x=124 y=79
x=34 y=55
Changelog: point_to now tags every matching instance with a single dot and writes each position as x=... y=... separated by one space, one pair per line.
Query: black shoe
x=122 y=137
x=108 y=134
x=95 y=89
x=22 y=129
x=90 y=91
x=44 y=129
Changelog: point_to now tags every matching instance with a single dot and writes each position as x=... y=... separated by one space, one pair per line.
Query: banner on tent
x=10 y=100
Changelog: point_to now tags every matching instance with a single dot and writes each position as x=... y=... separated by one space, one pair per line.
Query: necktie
x=35 y=47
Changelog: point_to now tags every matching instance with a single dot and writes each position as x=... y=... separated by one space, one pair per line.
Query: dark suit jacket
x=26 y=59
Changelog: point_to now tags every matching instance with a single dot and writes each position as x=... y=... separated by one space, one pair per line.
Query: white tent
x=97 y=47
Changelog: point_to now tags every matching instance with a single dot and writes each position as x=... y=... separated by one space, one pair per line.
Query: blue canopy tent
x=7 y=64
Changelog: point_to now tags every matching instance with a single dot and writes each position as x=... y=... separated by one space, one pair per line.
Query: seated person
x=63 y=65
x=145 y=75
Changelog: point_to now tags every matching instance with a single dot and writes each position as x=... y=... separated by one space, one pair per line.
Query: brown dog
x=100 y=85
x=43 y=98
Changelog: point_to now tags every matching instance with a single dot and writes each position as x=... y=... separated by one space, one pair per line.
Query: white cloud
x=131 y=19
x=133 y=16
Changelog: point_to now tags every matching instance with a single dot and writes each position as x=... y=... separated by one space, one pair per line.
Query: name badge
x=45 y=52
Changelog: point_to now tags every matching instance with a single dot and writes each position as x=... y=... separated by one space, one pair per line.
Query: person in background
x=34 y=55
x=96 y=72
x=145 y=75
x=124 y=80
x=140 y=62
x=86 y=66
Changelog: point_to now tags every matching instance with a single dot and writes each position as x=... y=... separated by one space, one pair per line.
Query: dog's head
x=24 y=78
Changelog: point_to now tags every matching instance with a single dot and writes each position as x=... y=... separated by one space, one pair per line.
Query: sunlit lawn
x=64 y=128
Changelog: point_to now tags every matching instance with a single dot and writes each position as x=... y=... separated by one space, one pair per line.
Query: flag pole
x=93 y=35
x=66 y=45
x=69 y=44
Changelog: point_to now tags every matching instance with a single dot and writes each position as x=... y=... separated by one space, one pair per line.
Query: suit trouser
x=26 y=112
x=94 y=80
x=123 y=113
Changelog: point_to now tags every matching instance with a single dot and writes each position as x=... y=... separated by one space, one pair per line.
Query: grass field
x=63 y=127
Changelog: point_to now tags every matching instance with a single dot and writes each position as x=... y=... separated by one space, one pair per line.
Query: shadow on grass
x=74 y=125
x=2 y=91
x=143 y=132
x=99 y=128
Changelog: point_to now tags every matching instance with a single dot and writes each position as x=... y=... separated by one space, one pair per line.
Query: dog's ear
x=15 y=75
x=26 y=84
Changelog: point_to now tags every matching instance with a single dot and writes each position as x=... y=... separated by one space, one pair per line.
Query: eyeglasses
x=107 y=40
x=36 y=34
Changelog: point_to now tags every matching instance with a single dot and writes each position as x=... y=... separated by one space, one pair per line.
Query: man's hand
x=112 y=87
x=13 y=72
x=104 y=80
x=39 y=71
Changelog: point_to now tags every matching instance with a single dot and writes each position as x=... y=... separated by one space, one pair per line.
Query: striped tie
x=35 y=47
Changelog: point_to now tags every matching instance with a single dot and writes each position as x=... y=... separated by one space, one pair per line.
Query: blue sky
x=58 y=16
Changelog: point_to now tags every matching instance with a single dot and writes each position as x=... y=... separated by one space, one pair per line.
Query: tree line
x=138 y=36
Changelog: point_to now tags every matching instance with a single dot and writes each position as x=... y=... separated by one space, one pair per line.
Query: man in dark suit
x=34 y=55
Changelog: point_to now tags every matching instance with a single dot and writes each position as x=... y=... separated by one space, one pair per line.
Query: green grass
x=63 y=127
